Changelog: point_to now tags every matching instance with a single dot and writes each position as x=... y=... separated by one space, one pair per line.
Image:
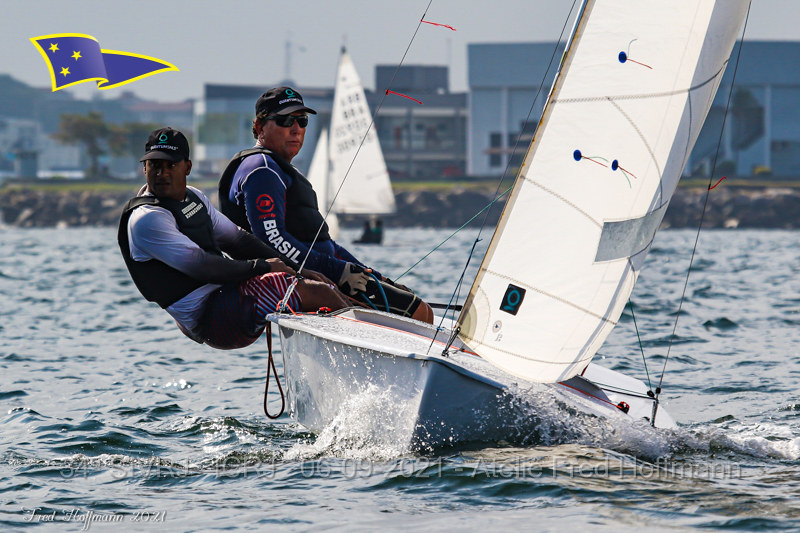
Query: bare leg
x=424 y=313
x=315 y=294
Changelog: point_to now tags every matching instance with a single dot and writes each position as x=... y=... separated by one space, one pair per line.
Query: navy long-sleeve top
x=260 y=185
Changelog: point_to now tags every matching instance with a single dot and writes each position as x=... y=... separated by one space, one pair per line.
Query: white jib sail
x=625 y=110
x=318 y=176
x=367 y=189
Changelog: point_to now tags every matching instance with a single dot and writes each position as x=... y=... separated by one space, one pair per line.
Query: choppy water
x=109 y=415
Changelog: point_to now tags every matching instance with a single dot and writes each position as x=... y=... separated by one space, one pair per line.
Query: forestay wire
x=464 y=225
x=347 y=173
x=703 y=213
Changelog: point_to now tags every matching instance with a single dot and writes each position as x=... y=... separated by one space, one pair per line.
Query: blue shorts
x=235 y=314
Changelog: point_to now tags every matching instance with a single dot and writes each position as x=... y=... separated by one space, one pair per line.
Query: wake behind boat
x=635 y=85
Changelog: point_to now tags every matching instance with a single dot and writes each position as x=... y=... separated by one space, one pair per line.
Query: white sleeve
x=225 y=231
x=153 y=234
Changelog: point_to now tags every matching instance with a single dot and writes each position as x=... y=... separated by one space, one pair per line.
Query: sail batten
x=635 y=85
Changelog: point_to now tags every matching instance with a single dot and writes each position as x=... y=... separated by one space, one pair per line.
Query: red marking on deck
x=404 y=96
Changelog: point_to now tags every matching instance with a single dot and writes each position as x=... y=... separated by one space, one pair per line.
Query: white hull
x=430 y=400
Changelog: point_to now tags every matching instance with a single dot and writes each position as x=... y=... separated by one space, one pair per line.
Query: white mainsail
x=635 y=85
x=367 y=189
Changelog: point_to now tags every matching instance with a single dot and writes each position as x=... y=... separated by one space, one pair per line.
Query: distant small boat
x=372 y=233
x=367 y=189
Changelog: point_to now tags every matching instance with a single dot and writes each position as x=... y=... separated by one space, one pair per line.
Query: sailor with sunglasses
x=262 y=192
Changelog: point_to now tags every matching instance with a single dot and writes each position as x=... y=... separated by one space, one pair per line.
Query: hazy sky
x=243 y=41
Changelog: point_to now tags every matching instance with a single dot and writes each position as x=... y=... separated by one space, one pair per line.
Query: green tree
x=129 y=138
x=88 y=130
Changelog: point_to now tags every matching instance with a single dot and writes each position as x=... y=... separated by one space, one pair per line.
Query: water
x=110 y=417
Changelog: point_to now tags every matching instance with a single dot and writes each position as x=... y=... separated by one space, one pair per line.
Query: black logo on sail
x=512 y=299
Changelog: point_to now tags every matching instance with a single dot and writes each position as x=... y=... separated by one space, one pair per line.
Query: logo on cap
x=163 y=138
x=289 y=92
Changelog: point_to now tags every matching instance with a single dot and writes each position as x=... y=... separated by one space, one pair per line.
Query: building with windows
x=29 y=116
x=418 y=141
x=509 y=84
x=224 y=122
x=20 y=141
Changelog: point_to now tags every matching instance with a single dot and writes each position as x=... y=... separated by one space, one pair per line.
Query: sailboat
x=367 y=189
x=634 y=87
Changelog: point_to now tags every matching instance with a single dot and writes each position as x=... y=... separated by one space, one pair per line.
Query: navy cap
x=166 y=143
x=281 y=101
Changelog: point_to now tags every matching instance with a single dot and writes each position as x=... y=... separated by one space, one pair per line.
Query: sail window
x=626 y=238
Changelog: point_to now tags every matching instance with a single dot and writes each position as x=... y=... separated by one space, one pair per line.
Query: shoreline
x=768 y=207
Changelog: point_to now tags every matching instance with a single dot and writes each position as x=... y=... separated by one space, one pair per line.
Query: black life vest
x=157 y=281
x=303 y=218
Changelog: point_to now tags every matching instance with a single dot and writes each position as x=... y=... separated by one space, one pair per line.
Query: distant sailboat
x=635 y=84
x=367 y=189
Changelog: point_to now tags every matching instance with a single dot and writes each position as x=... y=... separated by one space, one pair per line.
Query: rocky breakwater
x=728 y=207
x=32 y=208
x=735 y=207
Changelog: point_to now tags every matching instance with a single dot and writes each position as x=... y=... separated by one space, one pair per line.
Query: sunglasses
x=286 y=121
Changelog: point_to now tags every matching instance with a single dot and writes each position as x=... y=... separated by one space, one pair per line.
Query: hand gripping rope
x=383 y=293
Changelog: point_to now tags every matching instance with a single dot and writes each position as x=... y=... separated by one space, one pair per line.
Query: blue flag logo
x=74 y=58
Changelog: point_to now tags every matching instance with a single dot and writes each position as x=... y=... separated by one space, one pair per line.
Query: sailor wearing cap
x=173 y=239
x=263 y=192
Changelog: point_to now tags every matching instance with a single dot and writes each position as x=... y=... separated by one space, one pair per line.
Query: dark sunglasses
x=286 y=121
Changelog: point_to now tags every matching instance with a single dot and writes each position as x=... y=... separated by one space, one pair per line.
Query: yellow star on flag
x=65 y=71
x=54 y=47
x=76 y=55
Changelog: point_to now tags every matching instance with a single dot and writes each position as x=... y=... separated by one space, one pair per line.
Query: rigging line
x=453 y=297
x=621 y=390
x=508 y=161
x=366 y=133
x=464 y=225
x=644 y=360
x=530 y=111
x=705 y=202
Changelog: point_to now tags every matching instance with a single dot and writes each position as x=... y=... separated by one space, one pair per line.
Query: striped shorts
x=235 y=315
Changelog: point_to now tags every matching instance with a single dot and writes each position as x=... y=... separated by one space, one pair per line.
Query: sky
x=244 y=41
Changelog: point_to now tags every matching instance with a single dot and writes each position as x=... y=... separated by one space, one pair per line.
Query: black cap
x=166 y=143
x=281 y=101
